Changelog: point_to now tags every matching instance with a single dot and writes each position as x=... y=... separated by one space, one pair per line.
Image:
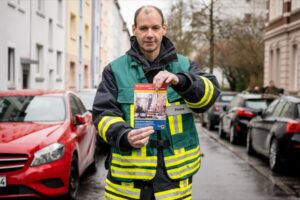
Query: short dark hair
x=137 y=12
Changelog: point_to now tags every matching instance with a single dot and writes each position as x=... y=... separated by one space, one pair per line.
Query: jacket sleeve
x=199 y=90
x=107 y=115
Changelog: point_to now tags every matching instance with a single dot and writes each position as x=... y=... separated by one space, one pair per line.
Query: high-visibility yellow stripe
x=180 y=126
x=145 y=159
x=179 y=161
x=184 y=170
x=109 y=196
x=179 y=155
x=135 y=161
x=128 y=184
x=123 y=190
x=176 y=193
x=132 y=115
x=132 y=173
x=208 y=94
x=105 y=123
x=171 y=125
x=175 y=122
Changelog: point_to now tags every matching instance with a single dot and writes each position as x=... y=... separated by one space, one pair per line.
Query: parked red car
x=46 y=143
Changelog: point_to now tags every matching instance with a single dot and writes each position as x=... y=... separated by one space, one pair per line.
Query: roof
x=292 y=99
x=26 y=92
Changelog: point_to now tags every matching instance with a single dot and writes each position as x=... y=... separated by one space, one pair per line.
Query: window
x=275 y=9
x=295 y=5
x=50 y=34
x=271 y=108
x=271 y=64
x=279 y=108
x=11 y=65
x=59 y=64
x=59 y=12
x=295 y=68
x=288 y=110
x=86 y=35
x=276 y=71
x=73 y=26
x=39 y=53
x=41 y=5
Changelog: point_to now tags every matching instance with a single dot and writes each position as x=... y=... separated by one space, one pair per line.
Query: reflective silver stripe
x=133 y=173
x=170 y=160
x=177 y=109
x=124 y=160
x=176 y=128
x=185 y=169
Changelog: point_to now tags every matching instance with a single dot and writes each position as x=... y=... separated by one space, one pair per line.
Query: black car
x=243 y=107
x=276 y=132
x=211 y=117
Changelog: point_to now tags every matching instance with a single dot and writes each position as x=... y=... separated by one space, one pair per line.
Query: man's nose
x=149 y=32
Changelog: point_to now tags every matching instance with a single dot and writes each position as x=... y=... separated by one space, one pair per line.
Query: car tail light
x=216 y=108
x=293 y=127
x=244 y=113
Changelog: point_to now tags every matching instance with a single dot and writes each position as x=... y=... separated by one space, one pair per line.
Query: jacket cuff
x=183 y=84
x=122 y=141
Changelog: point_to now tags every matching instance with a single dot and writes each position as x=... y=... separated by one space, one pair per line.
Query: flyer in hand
x=149 y=106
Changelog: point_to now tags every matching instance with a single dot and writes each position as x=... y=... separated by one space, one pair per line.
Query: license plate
x=2 y=181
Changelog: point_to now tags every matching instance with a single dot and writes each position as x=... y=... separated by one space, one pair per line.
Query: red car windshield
x=32 y=109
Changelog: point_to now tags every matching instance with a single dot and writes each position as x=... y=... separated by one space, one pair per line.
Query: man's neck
x=151 y=56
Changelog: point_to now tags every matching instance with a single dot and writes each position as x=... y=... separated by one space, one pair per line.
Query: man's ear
x=164 y=27
x=133 y=29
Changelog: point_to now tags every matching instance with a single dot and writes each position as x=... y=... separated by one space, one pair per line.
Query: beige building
x=282 y=45
x=78 y=44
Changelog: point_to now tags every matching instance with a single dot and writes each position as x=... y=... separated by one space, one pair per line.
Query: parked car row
x=269 y=125
x=47 y=141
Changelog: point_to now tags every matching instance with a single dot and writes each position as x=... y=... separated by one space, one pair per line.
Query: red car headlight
x=48 y=154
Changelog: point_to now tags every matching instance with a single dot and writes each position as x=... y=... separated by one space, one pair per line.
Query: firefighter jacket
x=113 y=114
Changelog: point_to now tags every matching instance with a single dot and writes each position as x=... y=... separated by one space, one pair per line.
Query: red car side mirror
x=79 y=120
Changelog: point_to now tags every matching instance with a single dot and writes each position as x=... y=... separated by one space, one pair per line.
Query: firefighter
x=143 y=163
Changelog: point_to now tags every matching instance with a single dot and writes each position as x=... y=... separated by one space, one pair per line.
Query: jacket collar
x=166 y=55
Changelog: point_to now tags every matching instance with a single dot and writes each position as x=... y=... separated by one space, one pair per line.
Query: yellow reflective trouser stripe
x=122 y=190
x=209 y=90
x=182 y=155
x=174 y=193
x=132 y=115
x=175 y=122
x=135 y=173
x=105 y=123
x=134 y=161
x=184 y=170
x=112 y=197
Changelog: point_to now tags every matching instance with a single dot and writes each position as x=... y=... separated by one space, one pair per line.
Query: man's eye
x=143 y=28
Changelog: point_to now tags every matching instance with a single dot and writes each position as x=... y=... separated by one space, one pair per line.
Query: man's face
x=149 y=31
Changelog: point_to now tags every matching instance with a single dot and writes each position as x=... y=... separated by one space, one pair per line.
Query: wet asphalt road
x=227 y=173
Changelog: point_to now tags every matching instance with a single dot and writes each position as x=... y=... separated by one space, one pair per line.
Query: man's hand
x=138 y=138
x=165 y=77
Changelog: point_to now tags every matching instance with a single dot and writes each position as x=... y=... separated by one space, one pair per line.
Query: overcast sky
x=128 y=8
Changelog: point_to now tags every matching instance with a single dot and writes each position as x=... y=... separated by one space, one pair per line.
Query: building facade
x=282 y=43
x=226 y=9
x=32 y=44
x=78 y=44
x=115 y=37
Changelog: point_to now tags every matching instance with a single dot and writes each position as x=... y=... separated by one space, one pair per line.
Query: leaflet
x=149 y=106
